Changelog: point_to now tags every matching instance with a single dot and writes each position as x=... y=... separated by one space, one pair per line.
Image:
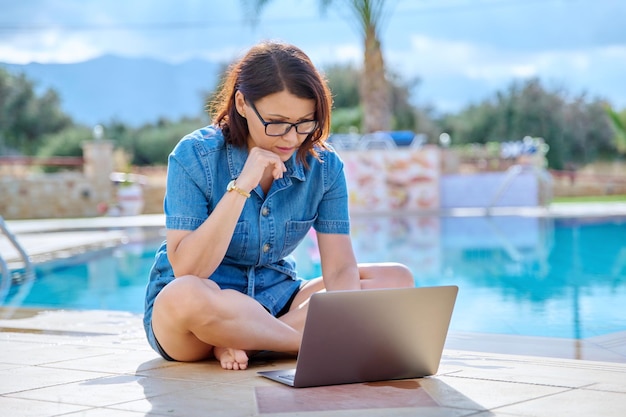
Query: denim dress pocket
x=295 y=231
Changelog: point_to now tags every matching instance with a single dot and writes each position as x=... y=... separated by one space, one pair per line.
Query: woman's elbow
x=181 y=269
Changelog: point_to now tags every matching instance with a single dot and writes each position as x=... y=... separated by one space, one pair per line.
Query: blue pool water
x=516 y=275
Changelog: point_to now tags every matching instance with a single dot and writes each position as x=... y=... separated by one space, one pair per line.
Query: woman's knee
x=185 y=297
x=387 y=275
x=402 y=275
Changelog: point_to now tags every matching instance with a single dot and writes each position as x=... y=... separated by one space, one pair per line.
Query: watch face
x=232 y=187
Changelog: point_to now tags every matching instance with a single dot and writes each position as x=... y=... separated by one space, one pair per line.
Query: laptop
x=371 y=335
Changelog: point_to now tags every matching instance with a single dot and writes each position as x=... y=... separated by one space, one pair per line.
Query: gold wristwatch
x=233 y=187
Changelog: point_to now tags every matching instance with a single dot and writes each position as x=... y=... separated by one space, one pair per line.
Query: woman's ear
x=240 y=103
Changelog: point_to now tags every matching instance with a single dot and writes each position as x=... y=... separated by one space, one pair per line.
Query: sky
x=461 y=51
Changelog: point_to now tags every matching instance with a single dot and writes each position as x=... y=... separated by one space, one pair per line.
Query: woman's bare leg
x=385 y=275
x=192 y=316
x=188 y=333
x=375 y=275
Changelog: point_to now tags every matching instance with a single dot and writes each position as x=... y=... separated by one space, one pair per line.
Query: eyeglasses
x=282 y=128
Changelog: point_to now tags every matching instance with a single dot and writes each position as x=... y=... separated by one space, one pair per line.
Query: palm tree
x=619 y=123
x=374 y=86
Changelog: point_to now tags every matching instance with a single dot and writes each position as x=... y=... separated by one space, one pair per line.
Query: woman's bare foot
x=234 y=359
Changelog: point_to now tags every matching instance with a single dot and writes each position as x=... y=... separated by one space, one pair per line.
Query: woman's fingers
x=279 y=169
x=258 y=160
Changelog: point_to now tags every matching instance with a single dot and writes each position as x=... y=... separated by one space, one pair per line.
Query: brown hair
x=268 y=68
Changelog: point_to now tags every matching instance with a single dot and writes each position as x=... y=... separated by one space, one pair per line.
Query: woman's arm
x=339 y=267
x=201 y=251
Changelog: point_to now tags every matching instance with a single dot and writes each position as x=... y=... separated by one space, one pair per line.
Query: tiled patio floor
x=96 y=363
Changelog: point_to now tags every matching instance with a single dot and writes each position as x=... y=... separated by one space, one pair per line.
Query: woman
x=241 y=194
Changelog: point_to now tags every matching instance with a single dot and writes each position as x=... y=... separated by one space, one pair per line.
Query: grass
x=591 y=199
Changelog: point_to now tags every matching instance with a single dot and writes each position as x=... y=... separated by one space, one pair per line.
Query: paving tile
x=17 y=407
x=80 y=321
x=605 y=349
x=104 y=412
x=21 y=379
x=616 y=383
x=35 y=338
x=215 y=400
x=278 y=398
x=572 y=403
x=116 y=361
x=107 y=391
x=458 y=392
x=5 y=366
x=24 y=353
x=615 y=342
x=121 y=341
x=534 y=370
x=207 y=371
x=109 y=329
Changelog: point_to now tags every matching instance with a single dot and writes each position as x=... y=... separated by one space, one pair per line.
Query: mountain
x=136 y=91
x=129 y=90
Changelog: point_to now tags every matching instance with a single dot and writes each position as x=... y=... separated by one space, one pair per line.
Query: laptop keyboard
x=287 y=377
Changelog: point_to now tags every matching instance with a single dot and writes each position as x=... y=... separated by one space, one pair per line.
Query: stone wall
x=61 y=195
x=597 y=179
x=27 y=194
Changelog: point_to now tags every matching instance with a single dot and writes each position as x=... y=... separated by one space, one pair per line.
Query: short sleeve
x=186 y=201
x=333 y=215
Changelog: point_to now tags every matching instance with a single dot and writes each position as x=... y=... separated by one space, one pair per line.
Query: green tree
x=405 y=116
x=618 y=121
x=26 y=117
x=343 y=81
x=152 y=144
x=369 y=15
x=67 y=142
x=576 y=129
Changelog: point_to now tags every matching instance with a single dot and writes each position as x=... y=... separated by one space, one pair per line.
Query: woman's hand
x=258 y=162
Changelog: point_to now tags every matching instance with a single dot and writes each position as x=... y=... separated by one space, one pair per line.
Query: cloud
x=453 y=72
x=431 y=57
x=75 y=30
x=341 y=53
x=50 y=46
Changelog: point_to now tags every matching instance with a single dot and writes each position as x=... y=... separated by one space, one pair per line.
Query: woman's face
x=264 y=115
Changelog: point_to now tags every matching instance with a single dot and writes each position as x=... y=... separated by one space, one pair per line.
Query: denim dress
x=258 y=261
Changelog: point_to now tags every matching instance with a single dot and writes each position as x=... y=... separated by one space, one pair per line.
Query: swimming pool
x=532 y=276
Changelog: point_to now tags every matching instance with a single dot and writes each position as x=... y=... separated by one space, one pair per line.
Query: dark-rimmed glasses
x=282 y=128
